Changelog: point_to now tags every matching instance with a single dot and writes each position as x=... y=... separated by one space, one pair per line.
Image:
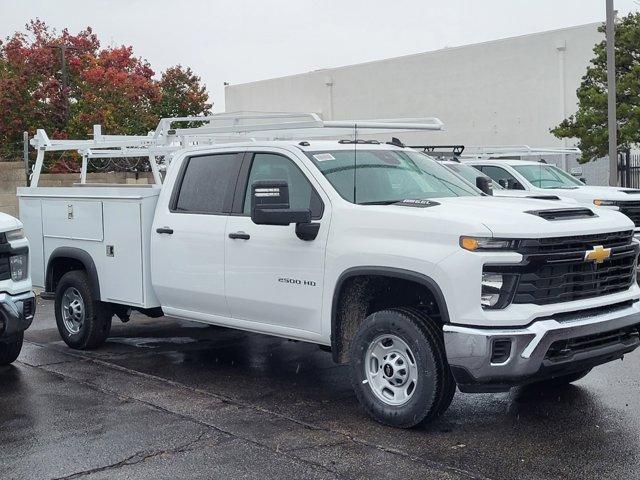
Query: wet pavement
x=173 y=399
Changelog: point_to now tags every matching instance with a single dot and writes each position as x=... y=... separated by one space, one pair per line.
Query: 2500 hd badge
x=297 y=281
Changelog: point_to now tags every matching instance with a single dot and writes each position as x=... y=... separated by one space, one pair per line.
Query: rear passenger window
x=207 y=184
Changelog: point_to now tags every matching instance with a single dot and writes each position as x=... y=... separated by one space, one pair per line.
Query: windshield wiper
x=380 y=202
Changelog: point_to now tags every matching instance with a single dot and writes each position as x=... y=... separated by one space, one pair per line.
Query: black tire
x=10 y=349
x=561 y=381
x=96 y=324
x=435 y=387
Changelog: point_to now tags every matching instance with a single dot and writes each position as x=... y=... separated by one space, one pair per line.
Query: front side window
x=388 y=176
x=207 y=184
x=502 y=177
x=547 y=176
x=269 y=166
x=470 y=174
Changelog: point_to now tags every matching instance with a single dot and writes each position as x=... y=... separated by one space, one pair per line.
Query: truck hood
x=539 y=195
x=508 y=217
x=588 y=193
x=7 y=222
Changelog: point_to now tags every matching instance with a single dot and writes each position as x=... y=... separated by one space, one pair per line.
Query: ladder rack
x=508 y=151
x=221 y=128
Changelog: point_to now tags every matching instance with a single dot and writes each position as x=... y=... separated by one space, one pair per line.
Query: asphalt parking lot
x=172 y=399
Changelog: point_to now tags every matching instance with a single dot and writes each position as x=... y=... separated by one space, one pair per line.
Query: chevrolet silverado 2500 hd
x=409 y=274
x=17 y=301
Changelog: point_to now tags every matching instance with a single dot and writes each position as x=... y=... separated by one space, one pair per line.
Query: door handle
x=166 y=230
x=240 y=236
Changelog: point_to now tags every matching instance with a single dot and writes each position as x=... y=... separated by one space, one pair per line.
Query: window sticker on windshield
x=323 y=157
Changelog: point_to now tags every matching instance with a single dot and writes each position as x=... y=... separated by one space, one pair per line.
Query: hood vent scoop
x=631 y=192
x=563 y=213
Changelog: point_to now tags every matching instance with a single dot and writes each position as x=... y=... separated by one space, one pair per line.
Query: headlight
x=486 y=243
x=605 y=203
x=14 y=234
x=497 y=289
x=19 y=270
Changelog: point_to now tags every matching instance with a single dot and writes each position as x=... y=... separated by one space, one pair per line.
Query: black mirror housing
x=270 y=204
x=484 y=185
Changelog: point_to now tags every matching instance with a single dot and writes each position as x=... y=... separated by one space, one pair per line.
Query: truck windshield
x=388 y=176
x=547 y=176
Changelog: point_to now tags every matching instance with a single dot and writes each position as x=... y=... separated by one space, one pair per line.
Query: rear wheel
x=399 y=368
x=82 y=321
x=10 y=349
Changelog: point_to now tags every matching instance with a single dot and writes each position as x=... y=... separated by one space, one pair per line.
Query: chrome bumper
x=16 y=313
x=470 y=350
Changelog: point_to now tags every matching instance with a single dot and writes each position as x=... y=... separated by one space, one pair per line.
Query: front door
x=273 y=277
x=188 y=237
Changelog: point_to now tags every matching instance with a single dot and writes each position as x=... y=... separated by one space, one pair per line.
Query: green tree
x=589 y=124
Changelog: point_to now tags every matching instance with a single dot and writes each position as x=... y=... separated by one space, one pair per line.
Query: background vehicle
x=449 y=156
x=17 y=301
x=539 y=178
x=406 y=271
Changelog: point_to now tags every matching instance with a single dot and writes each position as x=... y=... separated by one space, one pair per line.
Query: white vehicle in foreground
x=406 y=272
x=539 y=178
x=17 y=301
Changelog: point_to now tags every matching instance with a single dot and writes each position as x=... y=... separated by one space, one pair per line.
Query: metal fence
x=629 y=169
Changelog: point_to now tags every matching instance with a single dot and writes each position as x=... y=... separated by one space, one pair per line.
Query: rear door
x=188 y=237
x=272 y=277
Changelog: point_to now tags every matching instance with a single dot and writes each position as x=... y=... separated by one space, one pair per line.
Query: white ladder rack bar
x=502 y=151
x=215 y=129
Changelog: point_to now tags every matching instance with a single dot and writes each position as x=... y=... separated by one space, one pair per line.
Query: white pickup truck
x=529 y=177
x=405 y=271
x=17 y=301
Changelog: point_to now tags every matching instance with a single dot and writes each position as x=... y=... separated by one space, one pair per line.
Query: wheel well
x=360 y=295
x=65 y=259
x=58 y=267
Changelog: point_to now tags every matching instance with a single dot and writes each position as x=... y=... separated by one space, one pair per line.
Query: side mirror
x=270 y=204
x=484 y=184
x=583 y=180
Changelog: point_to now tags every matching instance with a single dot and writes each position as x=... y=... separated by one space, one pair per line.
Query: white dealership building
x=503 y=92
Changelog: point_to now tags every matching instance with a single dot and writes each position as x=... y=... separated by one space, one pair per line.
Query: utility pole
x=65 y=76
x=611 y=88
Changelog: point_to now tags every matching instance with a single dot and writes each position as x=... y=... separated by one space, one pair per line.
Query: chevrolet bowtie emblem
x=598 y=255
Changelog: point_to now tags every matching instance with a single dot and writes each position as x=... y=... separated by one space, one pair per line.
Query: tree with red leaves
x=109 y=86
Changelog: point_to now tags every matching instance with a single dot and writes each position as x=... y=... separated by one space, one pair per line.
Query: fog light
x=491 y=289
x=18 y=264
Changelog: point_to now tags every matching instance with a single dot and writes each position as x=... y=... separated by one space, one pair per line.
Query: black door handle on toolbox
x=165 y=230
x=240 y=236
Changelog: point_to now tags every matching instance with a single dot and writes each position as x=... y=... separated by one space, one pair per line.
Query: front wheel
x=399 y=368
x=83 y=322
x=10 y=349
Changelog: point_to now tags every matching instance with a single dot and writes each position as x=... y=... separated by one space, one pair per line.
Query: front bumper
x=16 y=313
x=547 y=348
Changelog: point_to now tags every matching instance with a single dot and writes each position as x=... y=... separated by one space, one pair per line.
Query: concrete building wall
x=509 y=91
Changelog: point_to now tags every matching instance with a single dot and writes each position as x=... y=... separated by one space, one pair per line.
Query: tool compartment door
x=73 y=219
x=123 y=277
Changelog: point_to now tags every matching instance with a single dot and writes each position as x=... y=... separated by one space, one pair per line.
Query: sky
x=239 y=41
